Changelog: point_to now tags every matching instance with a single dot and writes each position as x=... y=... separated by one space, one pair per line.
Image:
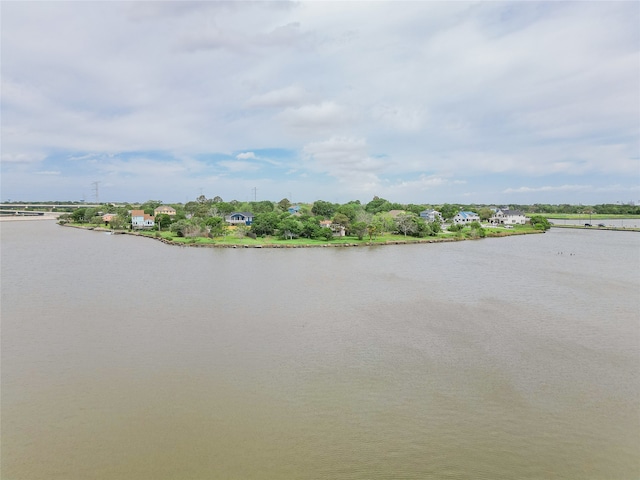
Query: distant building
x=466 y=217
x=139 y=219
x=240 y=218
x=293 y=209
x=431 y=216
x=504 y=216
x=165 y=209
x=107 y=217
x=337 y=229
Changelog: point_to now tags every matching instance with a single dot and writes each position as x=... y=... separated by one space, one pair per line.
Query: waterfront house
x=504 y=216
x=466 y=217
x=165 y=209
x=431 y=216
x=337 y=229
x=139 y=219
x=239 y=218
x=107 y=217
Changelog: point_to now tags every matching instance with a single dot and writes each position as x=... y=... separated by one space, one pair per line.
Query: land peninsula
x=215 y=223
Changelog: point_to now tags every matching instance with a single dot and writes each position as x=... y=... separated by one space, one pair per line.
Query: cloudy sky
x=416 y=102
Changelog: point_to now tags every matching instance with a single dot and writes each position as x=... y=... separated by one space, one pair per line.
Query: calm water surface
x=123 y=358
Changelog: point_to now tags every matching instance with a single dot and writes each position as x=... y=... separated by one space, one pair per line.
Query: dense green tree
x=350 y=210
x=322 y=208
x=265 y=223
x=449 y=211
x=485 y=213
x=78 y=215
x=310 y=228
x=359 y=229
x=539 y=222
x=290 y=227
x=264 y=206
x=284 y=204
x=325 y=233
x=162 y=221
x=215 y=226
x=378 y=205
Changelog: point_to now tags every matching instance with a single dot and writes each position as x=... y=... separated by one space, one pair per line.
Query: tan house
x=165 y=209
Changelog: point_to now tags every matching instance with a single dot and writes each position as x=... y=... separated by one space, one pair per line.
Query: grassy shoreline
x=274 y=242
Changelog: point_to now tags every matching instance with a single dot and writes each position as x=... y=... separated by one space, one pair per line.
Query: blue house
x=240 y=218
x=294 y=209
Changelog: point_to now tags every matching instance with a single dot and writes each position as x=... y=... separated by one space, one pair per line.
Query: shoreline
x=412 y=241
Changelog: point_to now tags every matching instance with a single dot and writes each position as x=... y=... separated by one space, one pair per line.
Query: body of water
x=124 y=358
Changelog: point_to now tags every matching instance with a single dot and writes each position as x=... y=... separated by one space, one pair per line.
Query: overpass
x=13 y=206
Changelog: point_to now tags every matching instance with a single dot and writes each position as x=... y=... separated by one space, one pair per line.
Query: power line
x=96 y=192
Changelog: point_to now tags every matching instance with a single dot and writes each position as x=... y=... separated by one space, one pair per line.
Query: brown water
x=123 y=358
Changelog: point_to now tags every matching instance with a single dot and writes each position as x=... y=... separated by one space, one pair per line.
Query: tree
x=378 y=205
x=265 y=223
x=284 y=204
x=341 y=219
x=485 y=213
x=215 y=226
x=371 y=230
x=448 y=211
x=290 y=227
x=326 y=233
x=540 y=223
x=405 y=223
x=78 y=215
x=163 y=221
x=322 y=208
x=310 y=228
x=359 y=229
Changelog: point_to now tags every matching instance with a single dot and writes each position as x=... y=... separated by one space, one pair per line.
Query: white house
x=431 y=216
x=466 y=217
x=504 y=216
x=139 y=219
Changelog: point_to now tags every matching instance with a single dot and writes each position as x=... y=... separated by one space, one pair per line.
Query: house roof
x=467 y=214
x=506 y=211
x=244 y=214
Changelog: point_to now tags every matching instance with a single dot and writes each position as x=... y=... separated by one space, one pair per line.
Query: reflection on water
x=502 y=358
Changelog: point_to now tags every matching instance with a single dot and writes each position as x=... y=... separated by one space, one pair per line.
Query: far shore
x=22 y=218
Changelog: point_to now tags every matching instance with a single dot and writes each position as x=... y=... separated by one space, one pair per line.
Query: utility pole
x=255 y=193
x=96 y=192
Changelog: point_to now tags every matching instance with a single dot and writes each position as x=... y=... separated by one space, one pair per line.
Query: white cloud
x=246 y=156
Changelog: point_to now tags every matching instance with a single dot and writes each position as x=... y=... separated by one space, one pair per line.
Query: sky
x=416 y=102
